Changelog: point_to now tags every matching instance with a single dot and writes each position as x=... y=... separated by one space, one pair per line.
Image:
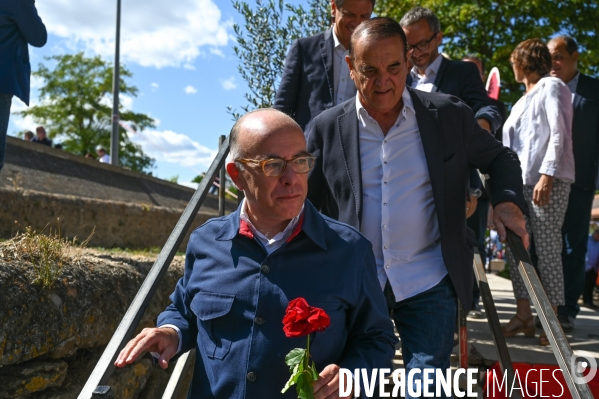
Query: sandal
x=529 y=331
x=543 y=340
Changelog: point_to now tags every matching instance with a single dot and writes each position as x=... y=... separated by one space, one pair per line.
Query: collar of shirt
x=338 y=46
x=247 y=229
x=430 y=71
x=408 y=105
x=573 y=84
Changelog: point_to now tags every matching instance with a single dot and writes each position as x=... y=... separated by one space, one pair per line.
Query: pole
x=114 y=138
x=221 y=178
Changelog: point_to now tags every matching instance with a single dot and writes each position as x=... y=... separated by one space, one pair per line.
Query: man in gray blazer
x=394 y=163
x=316 y=76
x=585 y=140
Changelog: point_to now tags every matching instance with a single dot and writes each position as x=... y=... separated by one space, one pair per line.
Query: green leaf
x=293 y=379
x=295 y=356
x=315 y=374
x=304 y=386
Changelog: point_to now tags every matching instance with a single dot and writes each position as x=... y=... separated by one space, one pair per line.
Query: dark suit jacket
x=585 y=132
x=19 y=25
x=453 y=142
x=307 y=86
x=462 y=79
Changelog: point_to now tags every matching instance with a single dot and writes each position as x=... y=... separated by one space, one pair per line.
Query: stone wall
x=39 y=185
x=50 y=339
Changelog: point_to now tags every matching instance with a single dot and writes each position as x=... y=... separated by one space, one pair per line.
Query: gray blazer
x=307 y=85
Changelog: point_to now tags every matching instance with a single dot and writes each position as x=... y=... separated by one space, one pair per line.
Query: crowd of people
x=42 y=138
x=363 y=194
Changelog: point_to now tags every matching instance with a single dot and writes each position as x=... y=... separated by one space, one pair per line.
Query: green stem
x=307 y=358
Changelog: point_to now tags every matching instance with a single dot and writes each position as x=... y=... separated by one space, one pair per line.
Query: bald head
x=258 y=125
x=258 y=139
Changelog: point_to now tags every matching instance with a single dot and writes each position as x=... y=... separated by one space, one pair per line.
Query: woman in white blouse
x=539 y=130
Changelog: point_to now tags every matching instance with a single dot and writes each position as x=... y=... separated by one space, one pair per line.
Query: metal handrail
x=505 y=360
x=105 y=366
x=559 y=344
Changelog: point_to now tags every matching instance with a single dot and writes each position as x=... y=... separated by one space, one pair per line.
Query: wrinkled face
x=349 y=16
x=420 y=34
x=564 y=65
x=379 y=70
x=276 y=199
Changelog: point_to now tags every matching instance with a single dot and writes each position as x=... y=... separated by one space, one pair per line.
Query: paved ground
x=583 y=337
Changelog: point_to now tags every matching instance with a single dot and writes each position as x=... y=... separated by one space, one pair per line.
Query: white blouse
x=539 y=130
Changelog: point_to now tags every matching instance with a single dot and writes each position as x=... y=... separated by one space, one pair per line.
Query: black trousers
x=589 y=285
x=575 y=234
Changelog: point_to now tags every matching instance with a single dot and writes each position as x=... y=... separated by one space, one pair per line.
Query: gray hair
x=416 y=14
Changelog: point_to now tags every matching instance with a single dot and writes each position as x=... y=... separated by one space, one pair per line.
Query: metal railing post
x=559 y=344
x=181 y=367
x=505 y=360
x=222 y=181
x=462 y=336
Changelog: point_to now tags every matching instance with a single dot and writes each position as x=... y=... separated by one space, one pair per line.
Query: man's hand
x=327 y=385
x=542 y=191
x=484 y=124
x=161 y=340
x=471 y=205
x=508 y=214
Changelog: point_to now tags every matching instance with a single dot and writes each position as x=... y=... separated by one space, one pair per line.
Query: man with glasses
x=242 y=270
x=431 y=72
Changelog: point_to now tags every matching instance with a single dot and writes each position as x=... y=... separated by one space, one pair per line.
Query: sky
x=182 y=59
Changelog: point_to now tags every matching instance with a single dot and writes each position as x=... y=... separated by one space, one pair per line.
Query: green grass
x=48 y=253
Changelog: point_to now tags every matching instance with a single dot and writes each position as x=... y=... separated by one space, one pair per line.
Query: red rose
x=302 y=319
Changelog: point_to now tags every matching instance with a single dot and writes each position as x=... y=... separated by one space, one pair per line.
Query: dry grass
x=48 y=253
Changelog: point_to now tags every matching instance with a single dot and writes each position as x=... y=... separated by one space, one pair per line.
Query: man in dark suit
x=19 y=25
x=585 y=138
x=394 y=163
x=434 y=73
x=316 y=76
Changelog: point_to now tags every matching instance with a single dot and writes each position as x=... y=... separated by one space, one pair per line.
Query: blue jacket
x=232 y=298
x=307 y=85
x=19 y=25
x=585 y=132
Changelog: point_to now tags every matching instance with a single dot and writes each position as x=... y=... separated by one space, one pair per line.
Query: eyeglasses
x=276 y=166
x=422 y=46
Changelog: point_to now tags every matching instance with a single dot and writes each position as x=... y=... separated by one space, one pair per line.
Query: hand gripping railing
x=561 y=349
x=96 y=384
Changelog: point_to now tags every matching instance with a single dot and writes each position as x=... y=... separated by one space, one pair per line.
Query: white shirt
x=344 y=86
x=426 y=82
x=270 y=245
x=399 y=215
x=539 y=130
x=104 y=158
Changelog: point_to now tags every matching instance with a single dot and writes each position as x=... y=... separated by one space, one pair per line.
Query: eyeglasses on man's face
x=276 y=166
x=423 y=45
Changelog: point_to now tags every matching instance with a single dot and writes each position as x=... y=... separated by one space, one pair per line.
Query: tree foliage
x=492 y=29
x=264 y=39
x=76 y=106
